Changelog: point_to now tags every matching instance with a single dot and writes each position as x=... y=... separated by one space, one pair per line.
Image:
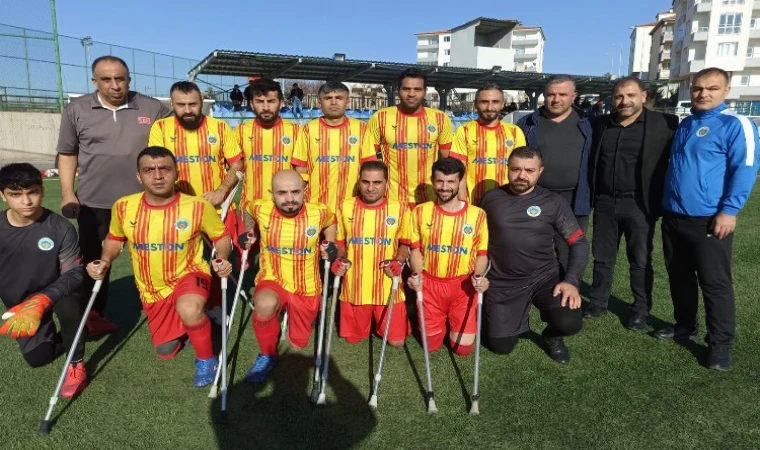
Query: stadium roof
x=243 y=64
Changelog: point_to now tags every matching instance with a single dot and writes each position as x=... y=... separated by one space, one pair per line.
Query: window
x=754 y=23
x=733 y=2
x=727 y=48
x=744 y=80
x=750 y=51
x=445 y=64
x=447 y=39
x=447 y=52
x=730 y=24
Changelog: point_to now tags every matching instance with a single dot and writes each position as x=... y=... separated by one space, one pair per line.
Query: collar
x=641 y=119
x=96 y=102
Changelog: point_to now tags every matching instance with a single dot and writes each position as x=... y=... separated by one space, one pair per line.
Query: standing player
x=162 y=228
x=410 y=138
x=487 y=143
x=449 y=240
x=267 y=141
x=522 y=220
x=372 y=229
x=289 y=276
x=329 y=149
x=40 y=271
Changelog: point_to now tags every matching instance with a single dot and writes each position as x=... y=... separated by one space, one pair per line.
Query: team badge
x=534 y=211
x=45 y=244
x=468 y=229
x=353 y=140
x=509 y=142
x=431 y=128
x=212 y=139
x=702 y=132
x=181 y=224
x=286 y=140
x=143 y=120
x=311 y=231
x=390 y=221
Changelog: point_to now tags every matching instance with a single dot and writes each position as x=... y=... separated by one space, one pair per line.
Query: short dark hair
x=374 y=166
x=108 y=58
x=712 y=71
x=559 y=79
x=18 y=176
x=526 y=152
x=263 y=86
x=448 y=166
x=155 y=151
x=629 y=80
x=185 y=87
x=490 y=86
x=332 y=86
x=413 y=73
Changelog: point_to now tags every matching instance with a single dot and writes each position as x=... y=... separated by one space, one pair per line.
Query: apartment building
x=661 y=46
x=641 y=50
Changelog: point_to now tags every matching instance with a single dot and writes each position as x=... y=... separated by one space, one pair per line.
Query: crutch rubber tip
x=223 y=418
x=321 y=401
x=314 y=395
x=45 y=427
x=214 y=392
x=431 y=407
x=474 y=410
x=373 y=403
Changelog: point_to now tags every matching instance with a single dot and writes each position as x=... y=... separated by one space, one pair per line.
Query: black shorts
x=507 y=308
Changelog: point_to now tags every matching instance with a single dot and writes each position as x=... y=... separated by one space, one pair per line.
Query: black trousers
x=697 y=259
x=93 y=228
x=614 y=218
x=47 y=344
x=560 y=245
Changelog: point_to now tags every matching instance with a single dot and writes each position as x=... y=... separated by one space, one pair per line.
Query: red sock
x=461 y=350
x=267 y=333
x=200 y=337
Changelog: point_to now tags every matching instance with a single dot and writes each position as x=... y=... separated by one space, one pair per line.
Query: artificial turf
x=622 y=390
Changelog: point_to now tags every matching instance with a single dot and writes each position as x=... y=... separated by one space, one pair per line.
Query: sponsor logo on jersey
x=211 y=139
x=289 y=250
x=359 y=240
x=702 y=132
x=336 y=158
x=286 y=140
x=311 y=231
x=45 y=244
x=487 y=160
x=353 y=140
x=350 y=219
x=196 y=159
x=158 y=246
x=432 y=128
x=269 y=158
x=391 y=221
x=143 y=120
x=534 y=211
x=448 y=249
x=413 y=145
x=468 y=229
x=474 y=142
x=181 y=224
x=509 y=142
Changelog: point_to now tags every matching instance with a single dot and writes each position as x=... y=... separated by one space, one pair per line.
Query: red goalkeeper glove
x=23 y=320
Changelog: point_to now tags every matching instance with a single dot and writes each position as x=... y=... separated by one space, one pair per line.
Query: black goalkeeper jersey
x=42 y=258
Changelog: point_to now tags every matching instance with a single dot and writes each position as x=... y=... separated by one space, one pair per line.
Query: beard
x=190 y=122
x=446 y=196
x=519 y=187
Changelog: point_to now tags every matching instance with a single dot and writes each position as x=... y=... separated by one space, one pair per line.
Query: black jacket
x=653 y=158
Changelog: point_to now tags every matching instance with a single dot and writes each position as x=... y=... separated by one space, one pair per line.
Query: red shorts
x=164 y=323
x=451 y=300
x=302 y=311
x=356 y=321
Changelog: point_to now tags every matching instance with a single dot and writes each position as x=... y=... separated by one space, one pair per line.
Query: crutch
x=336 y=287
x=320 y=335
x=47 y=424
x=421 y=306
x=223 y=355
x=226 y=206
x=474 y=409
x=391 y=304
x=213 y=393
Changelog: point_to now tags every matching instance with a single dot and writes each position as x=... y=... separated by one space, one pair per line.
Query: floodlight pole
x=57 y=56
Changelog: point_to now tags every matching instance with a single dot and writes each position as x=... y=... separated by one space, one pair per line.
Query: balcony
x=754 y=33
x=427 y=47
x=663 y=74
x=667 y=37
x=699 y=36
x=756 y=5
x=753 y=63
x=525 y=56
x=665 y=55
x=524 y=42
x=703 y=6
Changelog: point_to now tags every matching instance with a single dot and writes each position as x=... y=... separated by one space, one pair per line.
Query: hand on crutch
x=93 y=267
x=392 y=267
x=415 y=282
x=480 y=283
x=221 y=269
x=329 y=252
x=338 y=268
x=246 y=240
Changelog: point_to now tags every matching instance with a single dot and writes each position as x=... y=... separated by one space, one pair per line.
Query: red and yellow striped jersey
x=449 y=242
x=332 y=156
x=200 y=153
x=266 y=151
x=371 y=234
x=165 y=242
x=290 y=252
x=409 y=144
x=487 y=149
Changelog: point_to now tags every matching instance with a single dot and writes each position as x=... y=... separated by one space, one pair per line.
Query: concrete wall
x=28 y=136
x=463 y=48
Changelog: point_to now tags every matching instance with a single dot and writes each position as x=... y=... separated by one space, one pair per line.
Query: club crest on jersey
x=391 y=221
x=45 y=244
x=534 y=211
x=353 y=140
x=702 y=132
x=431 y=128
x=181 y=224
x=211 y=139
x=468 y=229
x=311 y=231
x=509 y=142
x=286 y=140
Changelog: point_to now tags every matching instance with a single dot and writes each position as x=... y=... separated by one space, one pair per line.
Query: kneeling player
x=162 y=228
x=40 y=274
x=370 y=229
x=522 y=219
x=289 y=266
x=449 y=239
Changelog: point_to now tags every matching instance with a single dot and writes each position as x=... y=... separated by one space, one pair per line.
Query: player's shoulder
x=130 y=199
x=506 y=126
x=435 y=112
x=348 y=203
x=187 y=199
x=734 y=121
x=548 y=197
x=289 y=125
x=166 y=121
x=425 y=208
x=57 y=221
x=315 y=207
x=212 y=122
x=475 y=210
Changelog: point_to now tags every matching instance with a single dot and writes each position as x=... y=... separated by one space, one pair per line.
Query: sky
x=585 y=38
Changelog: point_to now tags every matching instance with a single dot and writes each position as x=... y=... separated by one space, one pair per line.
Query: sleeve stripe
x=574 y=237
x=445 y=146
x=749 y=136
x=116 y=238
x=297 y=162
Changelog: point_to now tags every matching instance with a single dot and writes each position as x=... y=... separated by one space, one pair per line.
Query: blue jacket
x=582 y=204
x=713 y=164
